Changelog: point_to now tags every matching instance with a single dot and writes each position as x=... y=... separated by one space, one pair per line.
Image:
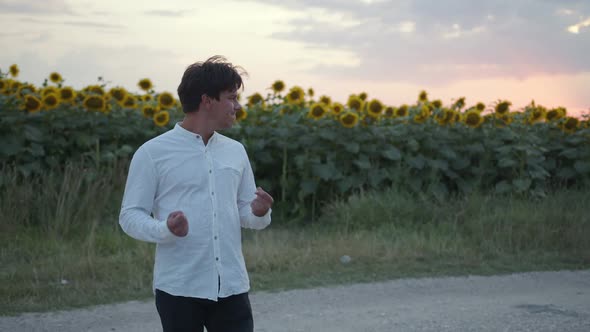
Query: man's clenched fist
x=262 y=203
x=177 y=223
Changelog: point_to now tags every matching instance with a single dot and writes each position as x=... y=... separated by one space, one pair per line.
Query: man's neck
x=195 y=124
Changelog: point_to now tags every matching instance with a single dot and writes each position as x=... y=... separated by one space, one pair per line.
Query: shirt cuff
x=165 y=233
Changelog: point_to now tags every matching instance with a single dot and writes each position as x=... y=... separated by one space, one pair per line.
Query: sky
x=519 y=50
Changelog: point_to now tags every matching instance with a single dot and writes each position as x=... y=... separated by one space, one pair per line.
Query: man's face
x=223 y=111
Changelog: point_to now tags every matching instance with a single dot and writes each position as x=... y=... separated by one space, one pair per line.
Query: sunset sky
x=484 y=50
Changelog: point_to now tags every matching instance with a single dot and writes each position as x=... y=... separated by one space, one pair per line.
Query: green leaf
x=503 y=187
x=392 y=153
x=417 y=162
x=438 y=164
x=522 y=184
x=507 y=163
x=571 y=153
x=363 y=162
x=460 y=164
x=33 y=133
x=583 y=167
x=566 y=173
x=325 y=171
x=309 y=186
x=352 y=147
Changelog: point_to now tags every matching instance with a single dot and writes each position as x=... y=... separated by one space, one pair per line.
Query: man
x=190 y=190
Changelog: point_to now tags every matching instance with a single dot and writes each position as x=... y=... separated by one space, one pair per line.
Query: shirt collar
x=179 y=130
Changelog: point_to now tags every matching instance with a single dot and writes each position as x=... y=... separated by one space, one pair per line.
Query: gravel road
x=539 y=301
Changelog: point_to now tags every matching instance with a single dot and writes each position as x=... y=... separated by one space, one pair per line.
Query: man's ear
x=205 y=100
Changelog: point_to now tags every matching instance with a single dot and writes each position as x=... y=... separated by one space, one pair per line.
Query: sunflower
x=355 y=102
x=349 y=119
x=556 y=114
x=459 y=103
x=423 y=115
x=317 y=111
x=24 y=89
x=50 y=101
x=363 y=96
x=130 y=101
x=55 y=77
x=437 y=103
x=337 y=108
x=423 y=96
x=295 y=96
x=119 y=94
x=310 y=92
x=389 y=112
x=375 y=108
x=165 y=100
x=145 y=84
x=255 y=99
x=32 y=104
x=537 y=114
x=162 y=118
x=149 y=111
x=241 y=114
x=4 y=85
x=570 y=124
x=278 y=86
x=480 y=106
x=147 y=98
x=49 y=90
x=503 y=119
x=326 y=100
x=95 y=89
x=503 y=107
x=445 y=117
x=95 y=103
x=13 y=70
x=401 y=111
x=473 y=118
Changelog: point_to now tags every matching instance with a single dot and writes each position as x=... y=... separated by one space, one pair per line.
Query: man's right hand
x=177 y=223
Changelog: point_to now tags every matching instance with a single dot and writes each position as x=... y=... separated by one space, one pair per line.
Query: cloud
x=45 y=7
x=83 y=24
x=167 y=13
x=437 y=42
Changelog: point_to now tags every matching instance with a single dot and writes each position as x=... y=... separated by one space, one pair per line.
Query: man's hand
x=262 y=203
x=177 y=223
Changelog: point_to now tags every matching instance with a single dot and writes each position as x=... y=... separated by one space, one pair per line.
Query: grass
x=61 y=250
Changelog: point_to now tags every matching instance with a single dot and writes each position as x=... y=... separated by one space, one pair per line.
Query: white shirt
x=213 y=185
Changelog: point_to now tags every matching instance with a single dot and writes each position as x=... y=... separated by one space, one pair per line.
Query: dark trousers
x=230 y=314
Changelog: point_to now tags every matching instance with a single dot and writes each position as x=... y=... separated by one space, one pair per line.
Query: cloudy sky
x=484 y=50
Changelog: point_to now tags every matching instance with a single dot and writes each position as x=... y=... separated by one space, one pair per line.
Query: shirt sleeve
x=138 y=199
x=246 y=194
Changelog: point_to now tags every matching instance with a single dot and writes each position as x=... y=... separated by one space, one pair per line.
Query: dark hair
x=211 y=78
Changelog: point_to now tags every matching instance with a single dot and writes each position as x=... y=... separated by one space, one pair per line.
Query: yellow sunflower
x=503 y=119
x=375 y=108
x=147 y=97
x=278 y=86
x=49 y=90
x=503 y=107
x=317 y=111
x=145 y=84
x=119 y=94
x=402 y=111
x=296 y=96
x=241 y=115
x=337 y=108
x=24 y=89
x=13 y=69
x=130 y=101
x=50 y=101
x=459 y=103
x=556 y=114
x=355 y=102
x=349 y=119
x=149 y=111
x=537 y=114
x=480 y=106
x=423 y=114
x=423 y=96
x=94 y=89
x=437 y=103
x=255 y=99
x=162 y=118
x=389 y=112
x=445 y=116
x=95 y=103
x=570 y=125
x=55 y=77
x=473 y=118
x=326 y=100
x=32 y=104
x=165 y=100
x=4 y=85
x=310 y=92
x=363 y=96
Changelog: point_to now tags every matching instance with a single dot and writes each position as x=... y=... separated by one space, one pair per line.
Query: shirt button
x=216 y=258
x=210 y=171
x=215 y=238
x=212 y=193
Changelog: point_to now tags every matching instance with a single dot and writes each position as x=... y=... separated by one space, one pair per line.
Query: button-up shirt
x=213 y=185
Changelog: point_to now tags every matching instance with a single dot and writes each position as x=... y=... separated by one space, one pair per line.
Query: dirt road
x=541 y=301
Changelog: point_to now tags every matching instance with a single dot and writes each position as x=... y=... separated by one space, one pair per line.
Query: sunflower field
x=307 y=150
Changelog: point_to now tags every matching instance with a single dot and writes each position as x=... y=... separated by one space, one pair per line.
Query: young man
x=190 y=190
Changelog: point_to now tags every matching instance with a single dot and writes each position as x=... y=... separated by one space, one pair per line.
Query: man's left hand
x=262 y=203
